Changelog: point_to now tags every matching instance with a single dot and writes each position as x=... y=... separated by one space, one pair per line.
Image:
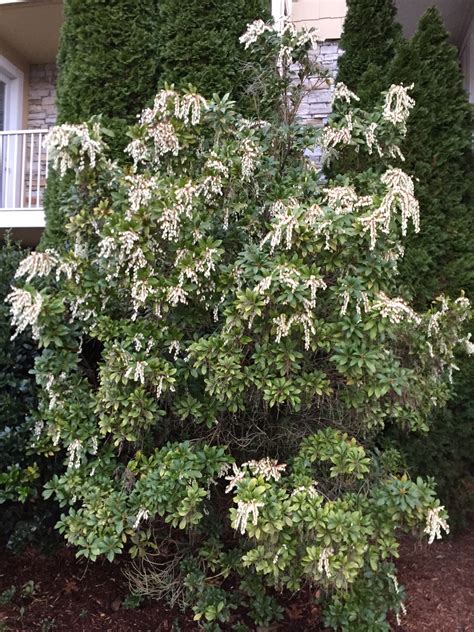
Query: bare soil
x=70 y=595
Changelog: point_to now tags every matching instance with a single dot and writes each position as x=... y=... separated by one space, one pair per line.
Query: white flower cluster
x=123 y=254
x=433 y=324
x=69 y=269
x=250 y=155
x=399 y=195
x=138 y=150
x=163 y=104
x=395 y=309
x=37 y=264
x=54 y=387
x=332 y=136
x=234 y=478
x=344 y=199
x=343 y=93
x=268 y=468
x=284 y=324
x=143 y=514
x=245 y=124
x=140 y=192
x=189 y=107
x=434 y=523
x=253 y=32
x=156 y=121
x=308 y=36
x=362 y=300
x=137 y=371
x=314 y=284
x=61 y=139
x=165 y=139
x=323 y=563
x=469 y=346
x=244 y=509
x=402 y=605
x=309 y=490
x=371 y=139
x=25 y=310
x=285 y=222
x=74 y=451
x=398 y=104
x=176 y=295
x=284 y=59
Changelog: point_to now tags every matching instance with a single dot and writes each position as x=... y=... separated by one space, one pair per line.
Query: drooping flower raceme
x=398 y=104
x=74 y=146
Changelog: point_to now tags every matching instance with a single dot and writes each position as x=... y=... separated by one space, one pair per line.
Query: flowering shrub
x=221 y=347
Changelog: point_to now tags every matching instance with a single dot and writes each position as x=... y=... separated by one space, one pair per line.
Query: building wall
x=325 y=15
x=42 y=110
x=316 y=106
x=467 y=60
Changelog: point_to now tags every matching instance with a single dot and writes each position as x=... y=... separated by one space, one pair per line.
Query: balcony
x=23 y=173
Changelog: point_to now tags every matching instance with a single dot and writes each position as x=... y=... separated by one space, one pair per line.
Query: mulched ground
x=73 y=596
x=439 y=579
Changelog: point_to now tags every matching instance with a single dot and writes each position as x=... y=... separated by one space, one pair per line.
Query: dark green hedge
x=369 y=40
x=438 y=154
x=438 y=150
x=108 y=64
x=199 y=44
x=107 y=59
x=439 y=157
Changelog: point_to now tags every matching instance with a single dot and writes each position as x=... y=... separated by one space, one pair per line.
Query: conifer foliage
x=438 y=154
x=107 y=65
x=199 y=44
x=441 y=257
x=369 y=40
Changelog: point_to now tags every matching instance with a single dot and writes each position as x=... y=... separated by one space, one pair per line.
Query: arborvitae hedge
x=441 y=257
x=107 y=58
x=199 y=44
x=108 y=64
x=438 y=152
x=369 y=40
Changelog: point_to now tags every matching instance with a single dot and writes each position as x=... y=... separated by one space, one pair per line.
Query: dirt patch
x=439 y=579
x=58 y=593
x=72 y=595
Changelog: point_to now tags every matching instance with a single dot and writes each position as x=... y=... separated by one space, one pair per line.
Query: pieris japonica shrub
x=221 y=347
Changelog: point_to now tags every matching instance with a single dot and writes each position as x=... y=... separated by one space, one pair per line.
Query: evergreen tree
x=199 y=44
x=438 y=154
x=441 y=257
x=369 y=40
x=107 y=65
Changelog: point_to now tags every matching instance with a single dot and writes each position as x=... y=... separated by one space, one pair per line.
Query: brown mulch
x=439 y=579
x=75 y=596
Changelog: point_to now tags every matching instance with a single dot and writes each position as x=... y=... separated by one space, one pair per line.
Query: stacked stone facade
x=316 y=106
x=42 y=114
x=42 y=96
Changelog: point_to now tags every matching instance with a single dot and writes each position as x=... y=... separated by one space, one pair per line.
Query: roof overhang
x=32 y=28
x=457 y=15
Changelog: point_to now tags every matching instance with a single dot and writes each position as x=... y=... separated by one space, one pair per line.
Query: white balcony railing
x=23 y=173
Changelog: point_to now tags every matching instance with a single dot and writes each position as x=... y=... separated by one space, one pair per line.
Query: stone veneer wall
x=42 y=111
x=42 y=114
x=316 y=107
